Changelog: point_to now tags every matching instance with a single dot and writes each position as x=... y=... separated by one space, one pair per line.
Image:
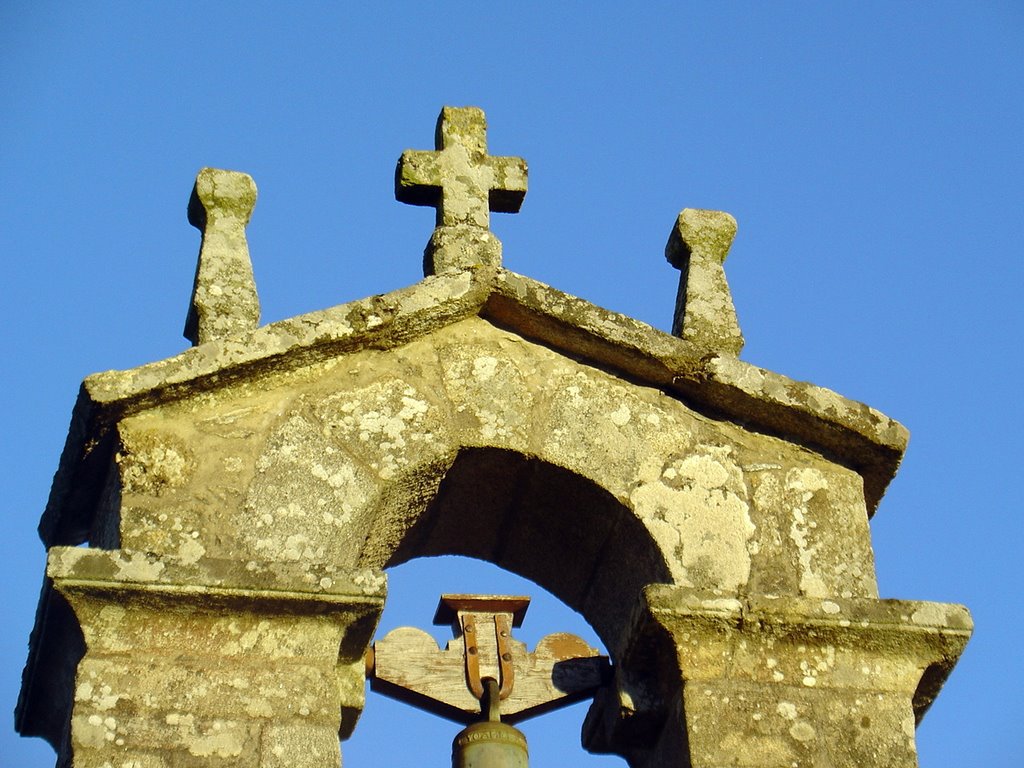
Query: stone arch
x=475 y=418
x=540 y=521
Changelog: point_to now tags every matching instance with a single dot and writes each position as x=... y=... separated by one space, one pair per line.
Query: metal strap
x=472 y=654
x=503 y=633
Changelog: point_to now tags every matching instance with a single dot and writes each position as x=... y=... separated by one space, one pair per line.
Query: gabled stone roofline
x=847 y=431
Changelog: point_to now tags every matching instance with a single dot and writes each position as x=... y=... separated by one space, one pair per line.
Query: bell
x=489 y=745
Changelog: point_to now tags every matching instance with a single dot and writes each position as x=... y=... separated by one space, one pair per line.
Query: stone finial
x=464 y=184
x=224 y=299
x=705 y=314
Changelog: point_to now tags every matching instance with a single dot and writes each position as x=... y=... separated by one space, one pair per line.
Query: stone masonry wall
x=287 y=470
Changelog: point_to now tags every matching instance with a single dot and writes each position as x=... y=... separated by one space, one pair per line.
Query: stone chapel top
x=242 y=499
x=464 y=277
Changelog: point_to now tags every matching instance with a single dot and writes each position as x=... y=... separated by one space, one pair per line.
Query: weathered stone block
x=775 y=681
x=299 y=746
x=190 y=661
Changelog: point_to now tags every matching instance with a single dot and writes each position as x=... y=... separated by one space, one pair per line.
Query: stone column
x=212 y=664
x=706 y=681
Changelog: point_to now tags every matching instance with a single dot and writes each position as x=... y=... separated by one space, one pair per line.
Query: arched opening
x=391 y=733
x=540 y=530
x=545 y=523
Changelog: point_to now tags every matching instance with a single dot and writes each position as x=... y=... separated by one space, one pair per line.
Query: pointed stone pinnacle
x=704 y=314
x=224 y=299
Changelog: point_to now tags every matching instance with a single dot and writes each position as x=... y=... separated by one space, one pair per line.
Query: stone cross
x=704 y=314
x=224 y=300
x=464 y=184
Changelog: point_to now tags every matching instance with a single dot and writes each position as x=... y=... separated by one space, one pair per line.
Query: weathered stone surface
x=224 y=300
x=216 y=660
x=709 y=518
x=464 y=184
x=777 y=681
x=298 y=746
x=308 y=458
x=862 y=438
x=810 y=550
x=450 y=418
x=705 y=314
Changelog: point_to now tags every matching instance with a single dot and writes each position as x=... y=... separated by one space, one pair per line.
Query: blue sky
x=871 y=153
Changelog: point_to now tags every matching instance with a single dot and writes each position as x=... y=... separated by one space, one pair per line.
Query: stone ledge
x=832 y=614
x=119 y=569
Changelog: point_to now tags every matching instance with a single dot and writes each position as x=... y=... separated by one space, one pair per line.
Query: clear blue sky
x=871 y=153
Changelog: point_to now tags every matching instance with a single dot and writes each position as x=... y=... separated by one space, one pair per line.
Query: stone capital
x=775 y=681
x=262 y=663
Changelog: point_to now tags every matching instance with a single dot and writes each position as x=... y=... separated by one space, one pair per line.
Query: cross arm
x=418 y=178
x=509 y=186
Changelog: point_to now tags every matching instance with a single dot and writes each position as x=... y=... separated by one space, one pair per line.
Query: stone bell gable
x=240 y=501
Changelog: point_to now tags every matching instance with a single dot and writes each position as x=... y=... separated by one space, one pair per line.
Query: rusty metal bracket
x=472 y=654
x=506 y=671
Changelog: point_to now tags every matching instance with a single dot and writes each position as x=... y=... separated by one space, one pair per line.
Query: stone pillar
x=706 y=681
x=211 y=664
